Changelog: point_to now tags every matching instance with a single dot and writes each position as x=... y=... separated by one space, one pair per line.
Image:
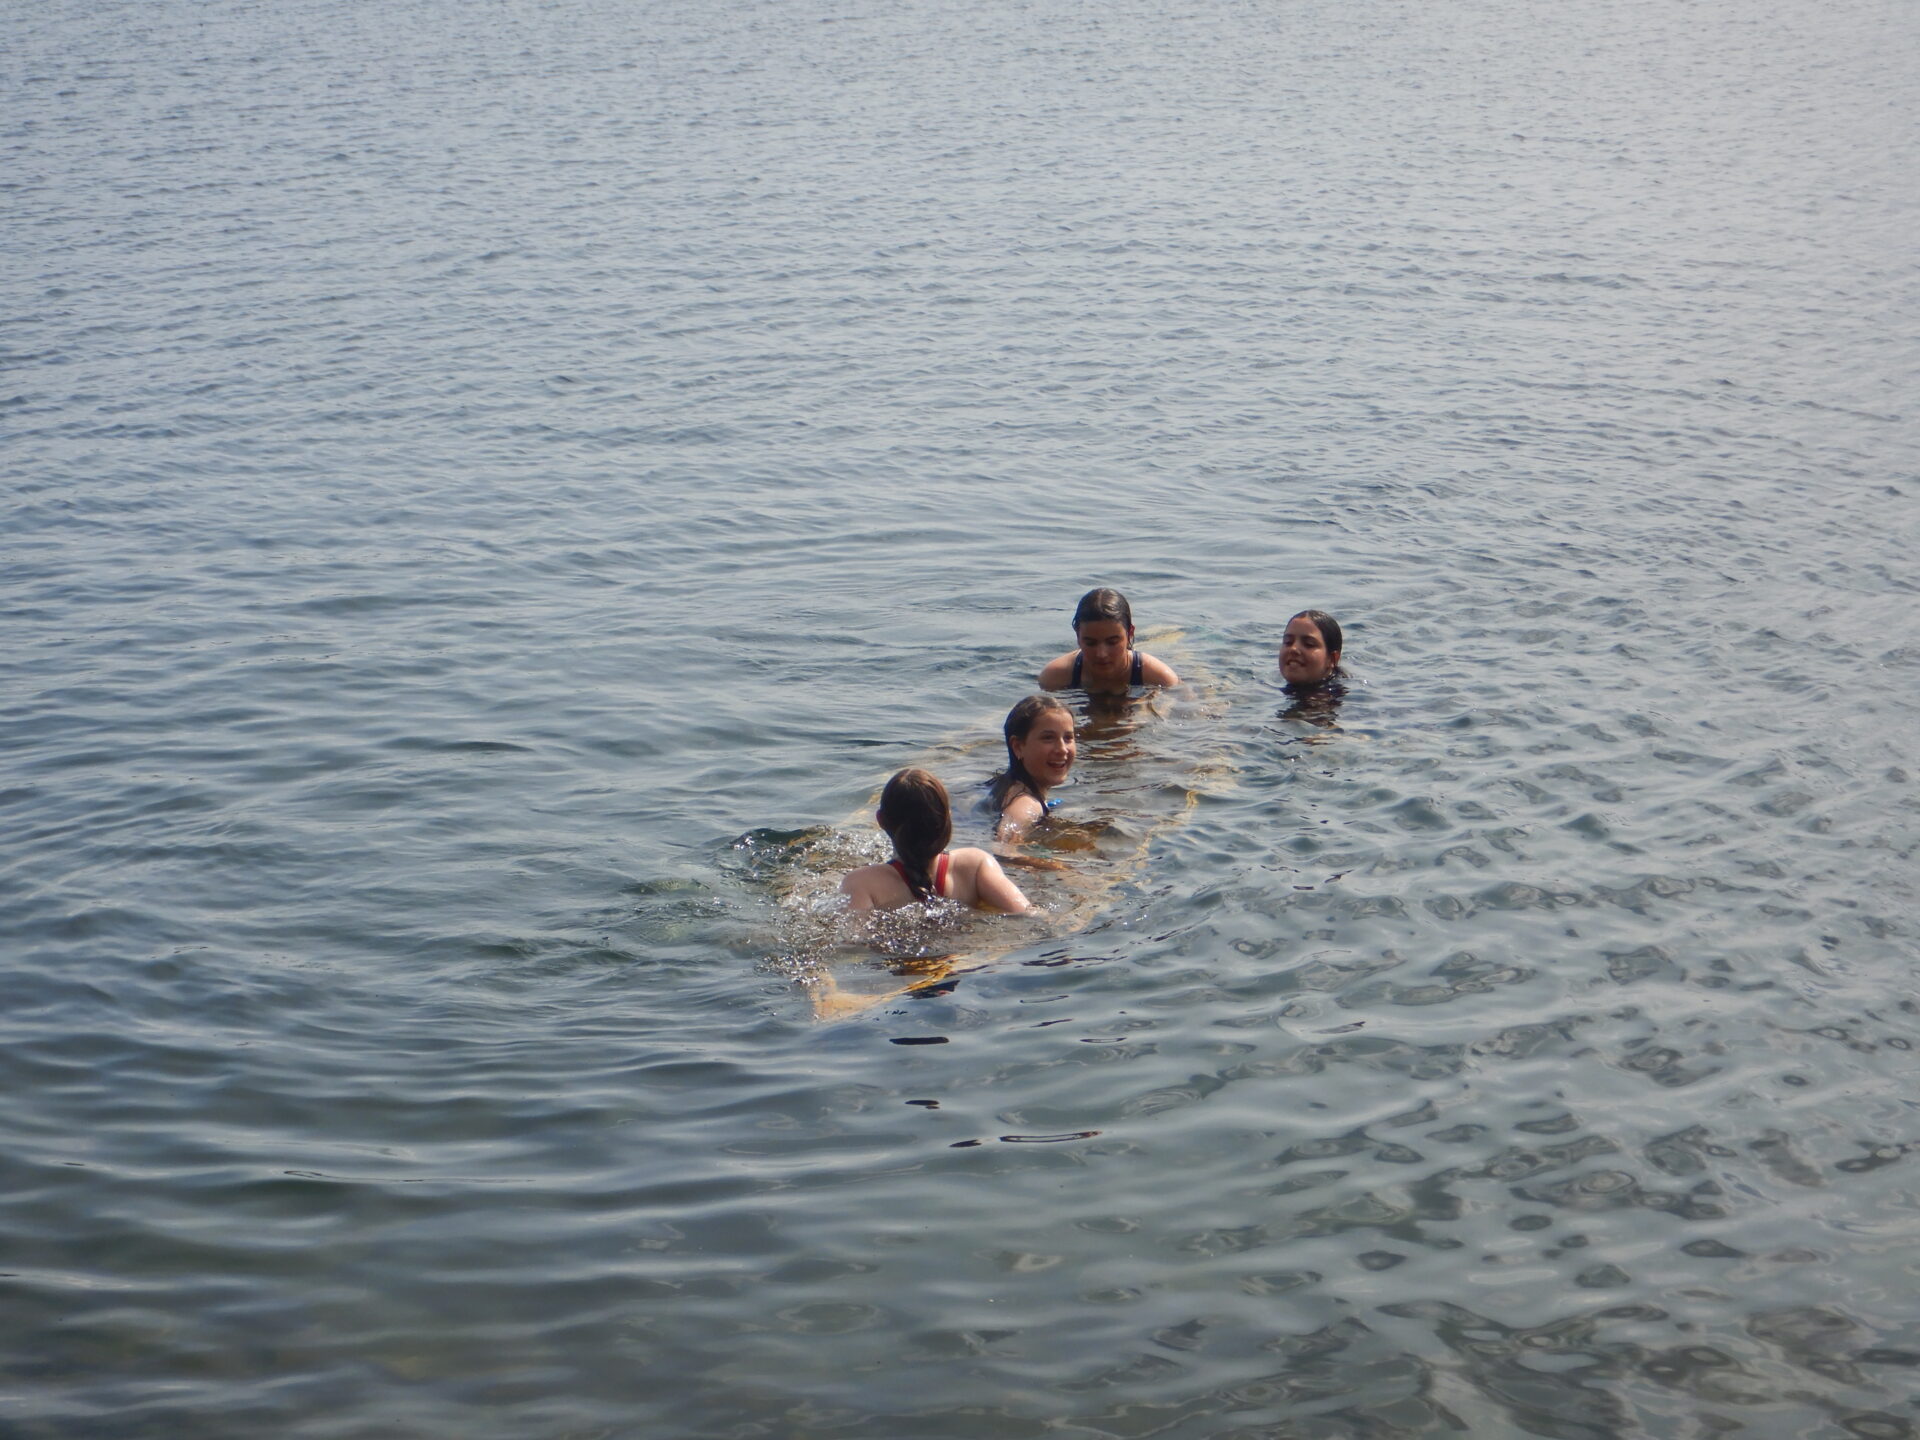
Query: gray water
x=467 y=466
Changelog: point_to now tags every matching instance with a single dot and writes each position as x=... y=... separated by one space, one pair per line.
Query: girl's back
x=918 y=818
x=967 y=876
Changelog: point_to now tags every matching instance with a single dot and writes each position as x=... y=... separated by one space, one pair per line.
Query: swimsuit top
x=939 y=874
x=1134 y=678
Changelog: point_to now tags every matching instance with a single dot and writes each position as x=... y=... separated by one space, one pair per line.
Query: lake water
x=492 y=488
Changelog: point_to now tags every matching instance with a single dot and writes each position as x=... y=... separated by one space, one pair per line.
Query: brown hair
x=1103 y=605
x=1329 y=629
x=915 y=813
x=1019 y=724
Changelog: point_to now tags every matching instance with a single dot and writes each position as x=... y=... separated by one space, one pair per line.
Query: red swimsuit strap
x=939 y=873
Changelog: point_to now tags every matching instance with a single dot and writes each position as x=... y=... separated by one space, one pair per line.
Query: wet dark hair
x=1103 y=605
x=915 y=813
x=1020 y=722
x=1329 y=629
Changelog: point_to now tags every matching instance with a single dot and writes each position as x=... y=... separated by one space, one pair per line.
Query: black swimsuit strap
x=1136 y=677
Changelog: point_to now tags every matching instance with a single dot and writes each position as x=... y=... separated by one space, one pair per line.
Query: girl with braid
x=915 y=813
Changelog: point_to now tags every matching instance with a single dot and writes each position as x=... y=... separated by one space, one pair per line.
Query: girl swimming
x=1040 y=750
x=1310 y=652
x=1106 y=660
x=917 y=817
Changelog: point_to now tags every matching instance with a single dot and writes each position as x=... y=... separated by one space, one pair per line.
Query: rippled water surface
x=492 y=489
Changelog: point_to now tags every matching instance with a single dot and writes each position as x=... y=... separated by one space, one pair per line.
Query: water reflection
x=1314 y=705
x=1539 y=1377
x=1108 y=722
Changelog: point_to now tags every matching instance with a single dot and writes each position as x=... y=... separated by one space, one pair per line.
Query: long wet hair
x=1020 y=722
x=915 y=813
x=1103 y=604
x=1329 y=629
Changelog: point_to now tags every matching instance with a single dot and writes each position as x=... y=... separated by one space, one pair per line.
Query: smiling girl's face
x=1304 y=657
x=1046 y=751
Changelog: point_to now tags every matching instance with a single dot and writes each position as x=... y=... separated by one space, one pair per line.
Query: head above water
x=1103 y=604
x=1039 y=733
x=1103 y=629
x=1310 y=650
x=918 y=818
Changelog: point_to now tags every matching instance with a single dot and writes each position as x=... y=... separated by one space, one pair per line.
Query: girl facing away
x=1106 y=660
x=1040 y=749
x=917 y=817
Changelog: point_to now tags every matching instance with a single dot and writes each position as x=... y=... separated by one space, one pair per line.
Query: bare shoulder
x=1021 y=813
x=979 y=879
x=1057 y=673
x=863 y=887
x=1156 y=672
x=1022 y=807
x=972 y=858
x=967 y=859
